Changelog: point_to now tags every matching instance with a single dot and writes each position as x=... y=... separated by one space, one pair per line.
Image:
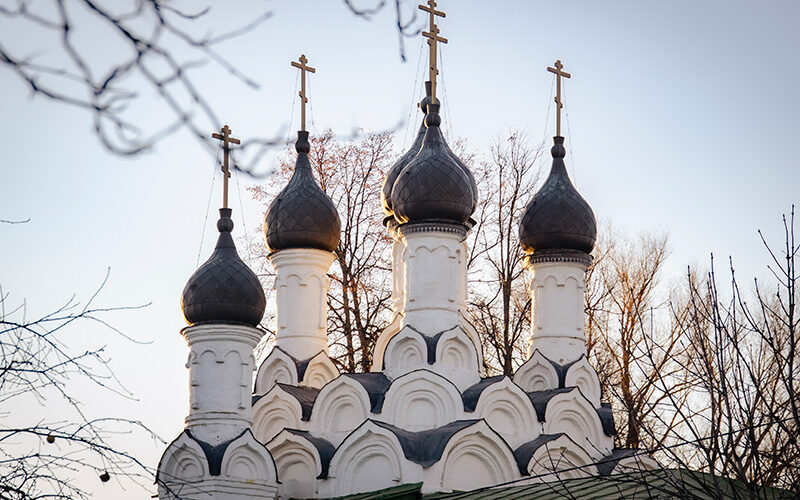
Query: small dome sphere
x=558 y=217
x=302 y=215
x=223 y=290
x=434 y=185
x=400 y=164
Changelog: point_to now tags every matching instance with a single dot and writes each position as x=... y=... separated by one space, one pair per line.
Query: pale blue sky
x=682 y=117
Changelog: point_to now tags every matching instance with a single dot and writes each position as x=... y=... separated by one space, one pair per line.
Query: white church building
x=426 y=413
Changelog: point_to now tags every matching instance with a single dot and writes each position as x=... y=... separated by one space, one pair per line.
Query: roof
x=668 y=483
x=426 y=447
x=324 y=448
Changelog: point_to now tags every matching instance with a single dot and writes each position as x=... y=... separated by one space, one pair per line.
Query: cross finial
x=433 y=37
x=303 y=98
x=559 y=104
x=227 y=140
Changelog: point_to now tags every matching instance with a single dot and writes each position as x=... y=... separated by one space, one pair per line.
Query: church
x=427 y=414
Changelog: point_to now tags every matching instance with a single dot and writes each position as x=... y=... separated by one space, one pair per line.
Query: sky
x=681 y=117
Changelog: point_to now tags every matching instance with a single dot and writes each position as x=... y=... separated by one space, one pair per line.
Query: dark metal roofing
x=558 y=217
x=426 y=447
x=433 y=186
x=541 y=398
x=607 y=419
x=324 y=448
x=214 y=453
x=525 y=451
x=304 y=395
x=302 y=215
x=472 y=394
x=224 y=290
x=606 y=465
x=376 y=385
x=405 y=159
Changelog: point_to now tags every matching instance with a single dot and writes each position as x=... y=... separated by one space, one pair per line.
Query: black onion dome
x=224 y=289
x=302 y=215
x=400 y=164
x=558 y=217
x=433 y=185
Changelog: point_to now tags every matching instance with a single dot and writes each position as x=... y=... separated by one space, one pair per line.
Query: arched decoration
x=248 y=460
x=319 y=371
x=278 y=367
x=509 y=412
x=536 y=374
x=474 y=457
x=405 y=352
x=298 y=463
x=581 y=375
x=572 y=414
x=275 y=411
x=369 y=459
x=383 y=340
x=421 y=400
x=183 y=460
x=560 y=458
x=457 y=359
x=341 y=406
x=472 y=333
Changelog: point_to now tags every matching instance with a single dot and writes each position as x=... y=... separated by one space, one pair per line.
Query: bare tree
x=151 y=49
x=499 y=306
x=742 y=419
x=625 y=314
x=351 y=173
x=40 y=365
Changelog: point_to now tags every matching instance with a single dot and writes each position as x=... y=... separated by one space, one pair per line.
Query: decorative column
x=221 y=366
x=432 y=265
x=301 y=287
x=557 y=284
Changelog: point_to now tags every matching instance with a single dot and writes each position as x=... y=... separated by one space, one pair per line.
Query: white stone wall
x=301 y=287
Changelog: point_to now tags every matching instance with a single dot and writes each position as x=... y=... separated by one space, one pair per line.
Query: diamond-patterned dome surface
x=400 y=164
x=558 y=217
x=302 y=215
x=224 y=289
x=433 y=185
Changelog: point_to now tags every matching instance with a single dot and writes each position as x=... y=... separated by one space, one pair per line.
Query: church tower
x=217 y=456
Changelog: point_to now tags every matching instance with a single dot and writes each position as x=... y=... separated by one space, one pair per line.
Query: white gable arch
x=341 y=406
x=405 y=352
x=369 y=459
x=298 y=465
x=182 y=460
x=421 y=400
x=278 y=367
x=536 y=374
x=474 y=457
x=582 y=375
x=560 y=459
x=509 y=411
x=248 y=460
x=573 y=414
x=320 y=371
x=457 y=359
x=275 y=411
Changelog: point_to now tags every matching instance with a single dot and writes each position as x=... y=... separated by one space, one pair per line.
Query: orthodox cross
x=227 y=140
x=559 y=104
x=303 y=99
x=433 y=37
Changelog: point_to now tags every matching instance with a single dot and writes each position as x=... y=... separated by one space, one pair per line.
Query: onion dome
x=302 y=215
x=558 y=218
x=434 y=185
x=224 y=290
x=400 y=164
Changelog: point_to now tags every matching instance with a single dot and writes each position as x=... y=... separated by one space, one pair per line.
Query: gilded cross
x=559 y=73
x=227 y=140
x=433 y=37
x=303 y=99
